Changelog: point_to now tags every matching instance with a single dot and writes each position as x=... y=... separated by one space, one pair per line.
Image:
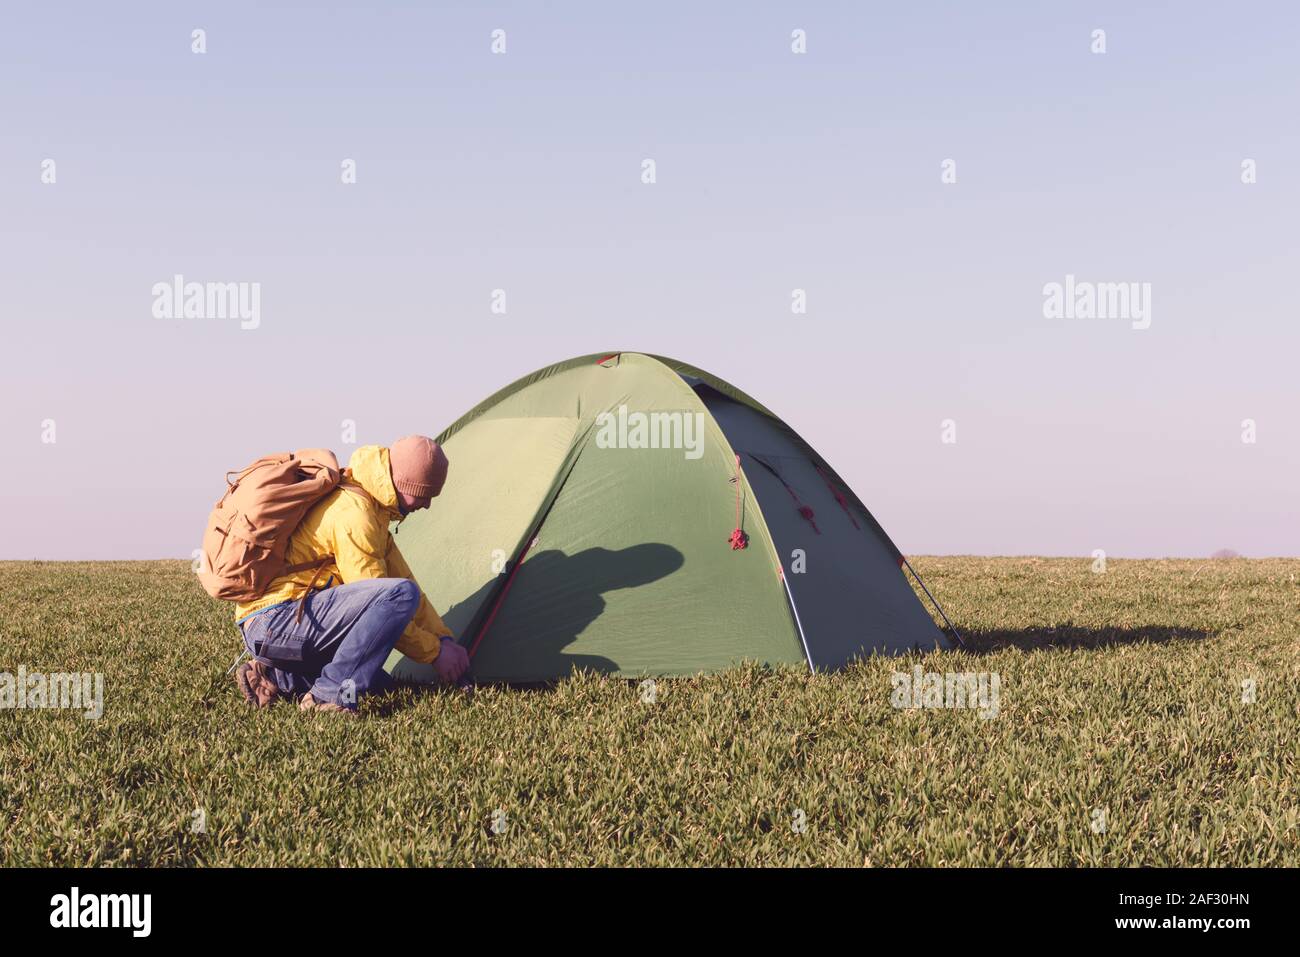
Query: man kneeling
x=323 y=633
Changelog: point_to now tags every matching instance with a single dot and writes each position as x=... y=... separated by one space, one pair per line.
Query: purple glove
x=452 y=662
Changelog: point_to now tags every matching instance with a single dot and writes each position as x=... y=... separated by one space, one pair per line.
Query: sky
x=921 y=171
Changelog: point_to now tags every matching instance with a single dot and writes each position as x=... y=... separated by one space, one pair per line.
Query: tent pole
x=797 y=623
x=960 y=640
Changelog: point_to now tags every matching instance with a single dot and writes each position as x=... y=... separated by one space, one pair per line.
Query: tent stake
x=956 y=634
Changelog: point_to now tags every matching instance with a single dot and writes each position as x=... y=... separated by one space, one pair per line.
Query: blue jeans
x=337 y=651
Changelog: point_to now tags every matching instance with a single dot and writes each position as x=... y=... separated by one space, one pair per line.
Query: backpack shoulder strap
x=347 y=482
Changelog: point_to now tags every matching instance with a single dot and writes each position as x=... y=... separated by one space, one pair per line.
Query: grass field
x=1122 y=738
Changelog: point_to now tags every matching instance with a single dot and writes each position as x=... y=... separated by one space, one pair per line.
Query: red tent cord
x=804 y=510
x=500 y=598
x=738 y=538
x=838 y=497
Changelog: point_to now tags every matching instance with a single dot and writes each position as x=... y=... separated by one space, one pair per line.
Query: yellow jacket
x=355 y=531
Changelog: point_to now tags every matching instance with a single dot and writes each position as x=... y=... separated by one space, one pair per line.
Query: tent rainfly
x=636 y=516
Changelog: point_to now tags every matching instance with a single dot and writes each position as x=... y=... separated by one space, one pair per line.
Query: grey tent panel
x=849 y=593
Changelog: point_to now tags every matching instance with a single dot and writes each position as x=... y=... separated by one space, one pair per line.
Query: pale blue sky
x=775 y=171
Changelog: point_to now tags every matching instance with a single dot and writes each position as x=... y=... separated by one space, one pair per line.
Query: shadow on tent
x=552 y=600
x=980 y=642
x=563 y=594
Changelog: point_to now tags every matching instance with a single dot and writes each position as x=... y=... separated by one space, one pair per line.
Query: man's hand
x=451 y=663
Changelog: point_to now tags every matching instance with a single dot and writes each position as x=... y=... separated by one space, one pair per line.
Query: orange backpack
x=248 y=531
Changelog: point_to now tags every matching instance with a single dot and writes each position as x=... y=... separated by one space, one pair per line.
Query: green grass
x=1120 y=691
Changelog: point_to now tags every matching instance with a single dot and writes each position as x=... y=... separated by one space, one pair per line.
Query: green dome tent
x=637 y=516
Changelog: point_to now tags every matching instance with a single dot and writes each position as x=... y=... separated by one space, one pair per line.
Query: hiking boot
x=257 y=684
x=308 y=703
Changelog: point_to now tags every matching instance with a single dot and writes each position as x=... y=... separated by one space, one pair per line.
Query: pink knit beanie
x=419 y=466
